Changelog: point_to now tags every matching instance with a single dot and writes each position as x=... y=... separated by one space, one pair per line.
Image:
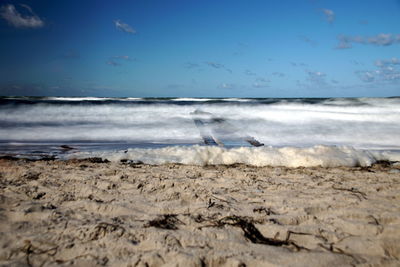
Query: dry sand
x=87 y=213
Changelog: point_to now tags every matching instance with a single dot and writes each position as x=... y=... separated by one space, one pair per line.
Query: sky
x=208 y=48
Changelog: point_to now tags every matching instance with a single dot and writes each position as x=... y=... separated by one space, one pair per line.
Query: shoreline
x=51 y=158
x=93 y=212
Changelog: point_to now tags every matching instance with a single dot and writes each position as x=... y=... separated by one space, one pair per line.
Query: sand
x=88 y=213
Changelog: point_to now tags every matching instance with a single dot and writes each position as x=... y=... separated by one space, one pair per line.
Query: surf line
x=211 y=126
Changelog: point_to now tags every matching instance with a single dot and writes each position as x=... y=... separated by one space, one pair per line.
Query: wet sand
x=91 y=213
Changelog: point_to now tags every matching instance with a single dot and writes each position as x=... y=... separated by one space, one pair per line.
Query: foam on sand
x=325 y=156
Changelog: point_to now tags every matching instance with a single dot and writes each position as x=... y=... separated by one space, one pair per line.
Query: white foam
x=192 y=99
x=374 y=124
x=80 y=98
x=325 y=156
x=237 y=99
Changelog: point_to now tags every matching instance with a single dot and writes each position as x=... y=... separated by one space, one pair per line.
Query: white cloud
x=260 y=85
x=217 y=66
x=384 y=63
x=344 y=42
x=298 y=64
x=366 y=76
x=124 y=27
x=329 y=15
x=316 y=77
x=261 y=82
x=226 y=86
x=388 y=70
x=316 y=80
x=16 y=19
x=113 y=63
x=382 y=39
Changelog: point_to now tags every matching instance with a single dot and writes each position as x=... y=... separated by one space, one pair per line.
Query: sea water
x=295 y=132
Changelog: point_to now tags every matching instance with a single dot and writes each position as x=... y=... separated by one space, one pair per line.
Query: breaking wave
x=295 y=132
x=324 y=156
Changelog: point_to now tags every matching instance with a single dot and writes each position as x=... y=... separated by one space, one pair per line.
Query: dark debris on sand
x=167 y=221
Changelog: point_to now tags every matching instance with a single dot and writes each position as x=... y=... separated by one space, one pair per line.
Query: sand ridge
x=91 y=213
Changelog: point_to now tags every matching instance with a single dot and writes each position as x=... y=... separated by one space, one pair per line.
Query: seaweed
x=336 y=250
x=383 y=163
x=360 y=195
x=167 y=221
x=31 y=176
x=10 y=158
x=29 y=249
x=97 y=160
x=252 y=234
x=131 y=162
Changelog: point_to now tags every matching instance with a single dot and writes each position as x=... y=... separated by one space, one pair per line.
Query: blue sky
x=188 y=48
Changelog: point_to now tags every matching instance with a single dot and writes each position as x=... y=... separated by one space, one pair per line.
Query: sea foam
x=360 y=123
x=324 y=156
x=295 y=132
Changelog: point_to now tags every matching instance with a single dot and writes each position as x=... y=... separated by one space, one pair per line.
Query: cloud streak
x=124 y=27
x=16 y=19
x=226 y=86
x=191 y=65
x=216 y=65
x=298 y=64
x=382 y=39
x=113 y=63
x=260 y=85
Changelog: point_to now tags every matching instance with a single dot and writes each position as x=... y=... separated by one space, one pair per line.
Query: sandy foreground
x=89 y=213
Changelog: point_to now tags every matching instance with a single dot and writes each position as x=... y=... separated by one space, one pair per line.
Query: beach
x=91 y=212
x=200 y=133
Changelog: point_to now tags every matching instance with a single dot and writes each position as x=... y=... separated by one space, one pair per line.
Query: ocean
x=257 y=131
